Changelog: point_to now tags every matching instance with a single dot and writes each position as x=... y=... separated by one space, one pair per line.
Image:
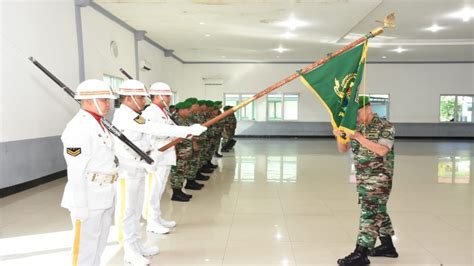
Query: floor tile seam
x=231 y=224
x=286 y=225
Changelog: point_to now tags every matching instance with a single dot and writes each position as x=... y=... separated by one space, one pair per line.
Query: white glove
x=79 y=213
x=147 y=166
x=196 y=129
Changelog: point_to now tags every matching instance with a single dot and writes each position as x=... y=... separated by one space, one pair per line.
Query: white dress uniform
x=132 y=172
x=90 y=189
x=158 y=177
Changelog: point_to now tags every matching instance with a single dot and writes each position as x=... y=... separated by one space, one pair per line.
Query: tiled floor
x=278 y=202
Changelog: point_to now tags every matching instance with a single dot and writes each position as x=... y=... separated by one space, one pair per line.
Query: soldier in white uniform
x=91 y=171
x=132 y=170
x=157 y=178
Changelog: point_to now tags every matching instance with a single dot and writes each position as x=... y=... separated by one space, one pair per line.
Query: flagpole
x=372 y=34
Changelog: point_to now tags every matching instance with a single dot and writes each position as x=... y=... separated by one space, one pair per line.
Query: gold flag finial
x=389 y=21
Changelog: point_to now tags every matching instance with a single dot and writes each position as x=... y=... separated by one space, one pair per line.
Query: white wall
x=163 y=69
x=32 y=106
x=414 y=88
x=98 y=32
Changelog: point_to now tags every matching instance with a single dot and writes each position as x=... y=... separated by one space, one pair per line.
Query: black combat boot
x=209 y=164
x=386 y=249
x=178 y=195
x=201 y=177
x=193 y=185
x=218 y=155
x=356 y=258
x=189 y=196
x=205 y=169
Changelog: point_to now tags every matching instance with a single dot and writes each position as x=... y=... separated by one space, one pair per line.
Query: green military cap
x=183 y=105
x=201 y=102
x=209 y=103
x=191 y=100
x=363 y=101
x=218 y=103
x=227 y=107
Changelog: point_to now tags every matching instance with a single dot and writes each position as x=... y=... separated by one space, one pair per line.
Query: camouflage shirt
x=184 y=149
x=366 y=162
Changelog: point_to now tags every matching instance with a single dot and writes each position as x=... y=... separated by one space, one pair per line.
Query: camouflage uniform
x=374 y=181
x=184 y=153
x=198 y=141
x=230 y=123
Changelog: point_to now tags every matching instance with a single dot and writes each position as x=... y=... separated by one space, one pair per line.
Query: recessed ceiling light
x=399 y=50
x=201 y=23
x=434 y=28
x=465 y=14
x=223 y=56
x=208 y=35
x=278 y=56
x=292 y=23
x=288 y=35
x=384 y=57
x=280 y=49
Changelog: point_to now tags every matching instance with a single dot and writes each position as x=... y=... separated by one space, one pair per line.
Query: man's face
x=194 y=107
x=363 y=114
x=166 y=99
x=184 y=112
x=136 y=105
x=104 y=105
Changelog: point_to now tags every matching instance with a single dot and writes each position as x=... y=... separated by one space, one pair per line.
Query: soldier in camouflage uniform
x=204 y=115
x=372 y=146
x=198 y=145
x=220 y=129
x=184 y=152
x=230 y=123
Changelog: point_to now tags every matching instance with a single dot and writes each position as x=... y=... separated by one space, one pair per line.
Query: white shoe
x=132 y=255
x=157 y=228
x=165 y=223
x=148 y=251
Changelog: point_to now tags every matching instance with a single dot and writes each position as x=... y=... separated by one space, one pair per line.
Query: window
x=245 y=168
x=174 y=98
x=456 y=108
x=282 y=107
x=114 y=83
x=379 y=104
x=282 y=169
x=454 y=170
x=246 y=113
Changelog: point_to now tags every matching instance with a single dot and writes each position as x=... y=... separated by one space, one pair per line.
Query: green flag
x=336 y=83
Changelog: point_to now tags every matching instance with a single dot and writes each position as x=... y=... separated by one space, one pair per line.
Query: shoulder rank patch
x=73 y=151
x=139 y=119
x=386 y=134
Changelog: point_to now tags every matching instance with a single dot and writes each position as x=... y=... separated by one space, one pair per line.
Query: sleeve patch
x=74 y=152
x=386 y=134
x=139 y=119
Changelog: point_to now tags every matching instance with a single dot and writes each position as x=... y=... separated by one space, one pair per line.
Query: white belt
x=102 y=178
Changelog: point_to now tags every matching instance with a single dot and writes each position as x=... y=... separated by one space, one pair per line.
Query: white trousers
x=130 y=196
x=90 y=237
x=155 y=187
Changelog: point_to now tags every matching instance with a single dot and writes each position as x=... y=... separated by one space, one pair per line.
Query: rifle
x=110 y=127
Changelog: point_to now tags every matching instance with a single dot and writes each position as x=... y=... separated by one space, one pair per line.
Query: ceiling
x=249 y=30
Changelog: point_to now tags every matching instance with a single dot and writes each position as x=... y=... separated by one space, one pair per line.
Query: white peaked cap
x=94 y=89
x=160 y=88
x=132 y=87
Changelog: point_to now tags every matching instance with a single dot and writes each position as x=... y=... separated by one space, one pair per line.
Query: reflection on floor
x=277 y=202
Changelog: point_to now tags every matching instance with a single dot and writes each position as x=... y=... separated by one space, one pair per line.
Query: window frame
x=282 y=108
x=455 y=115
x=240 y=100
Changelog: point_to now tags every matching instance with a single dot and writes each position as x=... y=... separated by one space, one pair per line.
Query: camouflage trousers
x=374 y=192
x=180 y=172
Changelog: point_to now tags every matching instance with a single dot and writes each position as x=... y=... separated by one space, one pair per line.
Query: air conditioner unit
x=213 y=81
x=145 y=65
